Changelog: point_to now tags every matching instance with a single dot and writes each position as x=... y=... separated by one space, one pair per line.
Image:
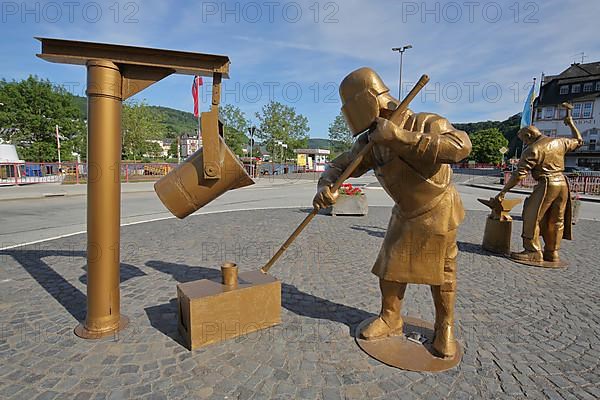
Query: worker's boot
x=444 y=342
x=532 y=256
x=389 y=322
x=532 y=252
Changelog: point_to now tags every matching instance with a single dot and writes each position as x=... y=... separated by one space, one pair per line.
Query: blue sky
x=481 y=55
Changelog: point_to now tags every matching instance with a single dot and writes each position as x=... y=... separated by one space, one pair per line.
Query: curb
x=524 y=191
x=62 y=194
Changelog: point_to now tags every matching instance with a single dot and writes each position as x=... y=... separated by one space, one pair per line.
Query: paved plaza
x=527 y=332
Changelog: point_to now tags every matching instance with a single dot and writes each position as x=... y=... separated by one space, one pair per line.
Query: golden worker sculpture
x=411 y=161
x=547 y=211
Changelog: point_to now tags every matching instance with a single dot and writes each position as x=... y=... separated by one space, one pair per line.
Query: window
x=588 y=87
x=548 y=112
x=592 y=145
x=576 y=110
x=540 y=113
x=562 y=113
x=565 y=89
x=576 y=88
x=587 y=109
x=598 y=86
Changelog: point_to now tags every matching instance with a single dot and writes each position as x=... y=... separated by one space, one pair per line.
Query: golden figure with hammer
x=547 y=211
x=411 y=158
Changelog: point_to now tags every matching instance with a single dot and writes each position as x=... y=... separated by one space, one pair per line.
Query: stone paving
x=527 y=332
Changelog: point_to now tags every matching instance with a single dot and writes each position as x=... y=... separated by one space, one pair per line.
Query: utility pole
x=251 y=130
x=58 y=149
x=401 y=50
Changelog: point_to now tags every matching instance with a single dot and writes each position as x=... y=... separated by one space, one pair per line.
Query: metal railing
x=583 y=184
x=73 y=173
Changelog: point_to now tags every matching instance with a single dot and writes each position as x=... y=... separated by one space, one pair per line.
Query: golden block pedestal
x=210 y=312
x=496 y=237
x=498 y=225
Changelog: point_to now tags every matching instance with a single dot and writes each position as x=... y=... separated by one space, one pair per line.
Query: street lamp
x=401 y=50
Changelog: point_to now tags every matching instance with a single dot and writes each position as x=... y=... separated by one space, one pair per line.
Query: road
x=32 y=220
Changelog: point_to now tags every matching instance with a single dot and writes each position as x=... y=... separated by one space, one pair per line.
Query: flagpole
x=199 y=124
x=532 y=101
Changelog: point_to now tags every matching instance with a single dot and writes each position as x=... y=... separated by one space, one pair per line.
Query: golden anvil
x=498 y=226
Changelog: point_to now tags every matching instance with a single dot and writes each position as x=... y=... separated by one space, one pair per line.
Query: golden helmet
x=359 y=91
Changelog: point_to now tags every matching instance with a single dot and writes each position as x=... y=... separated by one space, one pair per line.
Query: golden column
x=103 y=201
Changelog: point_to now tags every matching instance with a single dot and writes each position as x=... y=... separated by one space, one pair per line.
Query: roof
x=580 y=70
x=576 y=73
x=8 y=153
x=312 y=151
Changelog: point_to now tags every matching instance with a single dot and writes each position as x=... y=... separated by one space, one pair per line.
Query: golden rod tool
x=396 y=118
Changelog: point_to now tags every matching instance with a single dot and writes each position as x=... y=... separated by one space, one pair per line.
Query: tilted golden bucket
x=185 y=189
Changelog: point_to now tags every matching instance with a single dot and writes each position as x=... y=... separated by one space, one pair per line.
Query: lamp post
x=401 y=50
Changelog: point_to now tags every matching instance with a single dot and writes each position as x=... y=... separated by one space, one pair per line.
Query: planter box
x=350 y=205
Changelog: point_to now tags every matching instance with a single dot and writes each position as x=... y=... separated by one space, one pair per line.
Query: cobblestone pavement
x=527 y=332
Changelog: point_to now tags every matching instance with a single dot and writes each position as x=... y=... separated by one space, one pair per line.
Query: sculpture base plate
x=84 y=333
x=541 y=264
x=404 y=353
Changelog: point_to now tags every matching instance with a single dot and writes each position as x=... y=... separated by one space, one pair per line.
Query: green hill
x=318 y=143
x=176 y=121
x=179 y=122
x=508 y=127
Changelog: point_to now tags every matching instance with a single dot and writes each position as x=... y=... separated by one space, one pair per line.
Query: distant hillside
x=179 y=122
x=176 y=121
x=81 y=104
x=508 y=127
x=318 y=143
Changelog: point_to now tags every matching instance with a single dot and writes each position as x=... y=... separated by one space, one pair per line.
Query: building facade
x=311 y=160
x=579 y=85
x=189 y=144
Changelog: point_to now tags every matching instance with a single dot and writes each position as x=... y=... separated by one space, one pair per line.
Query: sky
x=481 y=56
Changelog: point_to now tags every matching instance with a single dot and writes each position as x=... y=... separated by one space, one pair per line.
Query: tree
x=140 y=123
x=340 y=135
x=236 y=125
x=173 y=151
x=32 y=109
x=486 y=146
x=508 y=127
x=153 y=151
x=279 y=122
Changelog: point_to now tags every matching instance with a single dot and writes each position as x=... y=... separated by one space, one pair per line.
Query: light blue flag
x=526 y=115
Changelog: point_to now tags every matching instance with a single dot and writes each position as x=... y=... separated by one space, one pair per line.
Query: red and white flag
x=196 y=93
